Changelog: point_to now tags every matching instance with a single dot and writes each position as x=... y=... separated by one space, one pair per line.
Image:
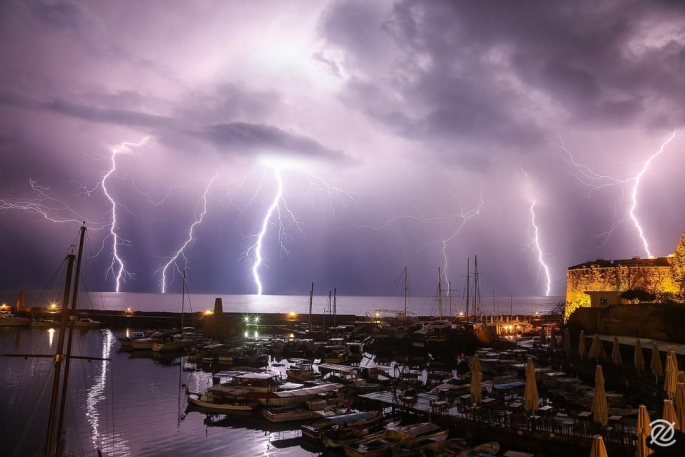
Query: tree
x=638 y=295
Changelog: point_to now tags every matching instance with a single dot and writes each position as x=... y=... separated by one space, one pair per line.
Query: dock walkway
x=542 y=427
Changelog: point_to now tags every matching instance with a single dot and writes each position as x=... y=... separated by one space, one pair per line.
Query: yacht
x=8 y=319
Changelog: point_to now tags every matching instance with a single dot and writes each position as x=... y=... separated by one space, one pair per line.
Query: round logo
x=663 y=433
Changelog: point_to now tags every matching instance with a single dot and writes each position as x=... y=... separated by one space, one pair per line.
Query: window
x=603 y=302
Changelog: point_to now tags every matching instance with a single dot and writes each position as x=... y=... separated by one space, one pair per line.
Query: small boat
x=84 y=322
x=216 y=402
x=47 y=323
x=455 y=447
x=302 y=372
x=171 y=343
x=289 y=414
x=382 y=443
x=412 y=448
x=8 y=319
x=126 y=341
x=360 y=421
x=145 y=344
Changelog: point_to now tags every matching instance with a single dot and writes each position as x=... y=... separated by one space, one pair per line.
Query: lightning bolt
x=463 y=215
x=634 y=194
x=257 y=247
x=49 y=208
x=116 y=266
x=596 y=182
x=191 y=238
x=538 y=248
x=280 y=214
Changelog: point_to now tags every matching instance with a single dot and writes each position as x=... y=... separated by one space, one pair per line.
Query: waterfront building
x=602 y=282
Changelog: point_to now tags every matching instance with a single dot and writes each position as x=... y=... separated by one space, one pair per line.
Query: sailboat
x=179 y=341
x=55 y=444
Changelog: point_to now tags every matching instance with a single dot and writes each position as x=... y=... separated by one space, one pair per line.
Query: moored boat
x=382 y=443
x=289 y=414
x=353 y=421
x=8 y=319
x=214 y=400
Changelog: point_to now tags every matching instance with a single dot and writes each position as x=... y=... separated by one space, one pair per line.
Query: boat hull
x=222 y=408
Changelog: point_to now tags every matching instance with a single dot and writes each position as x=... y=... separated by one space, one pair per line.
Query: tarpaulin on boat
x=308 y=391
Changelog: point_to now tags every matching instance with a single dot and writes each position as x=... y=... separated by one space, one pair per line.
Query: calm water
x=425 y=306
x=126 y=407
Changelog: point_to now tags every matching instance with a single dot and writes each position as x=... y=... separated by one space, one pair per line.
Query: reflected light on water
x=51 y=336
x=112 y=444
x=128 y=333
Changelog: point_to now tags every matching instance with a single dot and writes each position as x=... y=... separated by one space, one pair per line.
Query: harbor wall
x=659 y=321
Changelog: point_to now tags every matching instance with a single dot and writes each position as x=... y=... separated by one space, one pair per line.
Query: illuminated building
x=601 y=282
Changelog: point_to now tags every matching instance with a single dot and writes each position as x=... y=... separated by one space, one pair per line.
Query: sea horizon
x=254 y=304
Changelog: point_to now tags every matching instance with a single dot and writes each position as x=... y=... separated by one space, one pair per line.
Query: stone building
x=601 y=282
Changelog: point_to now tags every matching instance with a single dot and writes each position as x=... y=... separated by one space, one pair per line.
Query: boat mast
x=439 y=293
x=311 y=300
x=476 y=287
x=494 y=306
x=468 y=285
x=406 y=291
x=183 y=299
x=449 y=290
x=335 y=307
x=59 y=357
x=67 y=362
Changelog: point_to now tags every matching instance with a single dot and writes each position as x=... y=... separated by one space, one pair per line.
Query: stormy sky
x=392 y=125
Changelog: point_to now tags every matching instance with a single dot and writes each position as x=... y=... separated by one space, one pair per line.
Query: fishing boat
x=352 y=421
x=46 y=323
x=172 y=343
x=303 y=372
x=455 y=447
x=222 y=400
x=145 y=344
x=126 y=341
x=289 y=414
x=412 y=448
x=84 y=322
x=382 y=443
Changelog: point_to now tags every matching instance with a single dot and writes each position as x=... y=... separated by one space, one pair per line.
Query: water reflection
x=51 y=336
x=112 y=444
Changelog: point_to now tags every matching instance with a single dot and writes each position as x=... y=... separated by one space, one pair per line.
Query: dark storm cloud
x=230 y=137
x=266 y=139
x=488 y=71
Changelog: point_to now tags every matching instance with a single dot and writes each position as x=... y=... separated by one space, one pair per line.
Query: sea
x=133 y=404
x=255 y=304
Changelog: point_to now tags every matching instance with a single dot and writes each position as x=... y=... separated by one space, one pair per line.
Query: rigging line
x=24 y=386
x=32 y=415
x=91 y=255
x=74 y=427
x=52 y=278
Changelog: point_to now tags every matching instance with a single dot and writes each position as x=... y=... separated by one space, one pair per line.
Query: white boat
x=221 y=402
x=146 y=343
x=8 y=319
x=84 y=322
x=303 y=372
x=354 y=422
x=47 y=323
x=126 y=341
x=171 y=344
x=289 y=414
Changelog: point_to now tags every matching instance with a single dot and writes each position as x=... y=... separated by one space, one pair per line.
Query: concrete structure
x=601 y=282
